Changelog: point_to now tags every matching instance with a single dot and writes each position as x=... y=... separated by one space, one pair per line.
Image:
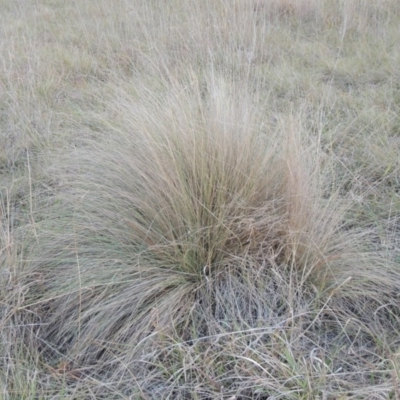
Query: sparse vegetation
x=199 y=200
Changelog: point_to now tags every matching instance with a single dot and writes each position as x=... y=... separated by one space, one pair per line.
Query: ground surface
x=199 y=199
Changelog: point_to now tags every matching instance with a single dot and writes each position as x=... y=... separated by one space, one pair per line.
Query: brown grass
x=200 y=200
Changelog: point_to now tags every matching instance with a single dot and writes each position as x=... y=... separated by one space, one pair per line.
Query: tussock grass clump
x=165 y=233
x=191 y=243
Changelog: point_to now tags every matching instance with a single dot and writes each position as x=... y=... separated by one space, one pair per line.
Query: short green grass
x=199 y=200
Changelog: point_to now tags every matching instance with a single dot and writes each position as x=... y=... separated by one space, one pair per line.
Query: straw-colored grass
x=199 y=200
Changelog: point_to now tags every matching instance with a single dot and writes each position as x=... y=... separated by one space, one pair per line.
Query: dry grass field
x=199 y=199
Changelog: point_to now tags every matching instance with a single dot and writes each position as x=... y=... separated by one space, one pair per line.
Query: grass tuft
x=191 y=223
x=199 y=200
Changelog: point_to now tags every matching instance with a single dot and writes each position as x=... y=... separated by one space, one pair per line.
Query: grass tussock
x=191 y=225
x=199 y=200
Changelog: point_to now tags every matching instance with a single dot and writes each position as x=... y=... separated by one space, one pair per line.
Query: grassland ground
x=199 y=200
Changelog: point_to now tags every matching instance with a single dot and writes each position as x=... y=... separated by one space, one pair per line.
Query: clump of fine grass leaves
x=194 y=253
